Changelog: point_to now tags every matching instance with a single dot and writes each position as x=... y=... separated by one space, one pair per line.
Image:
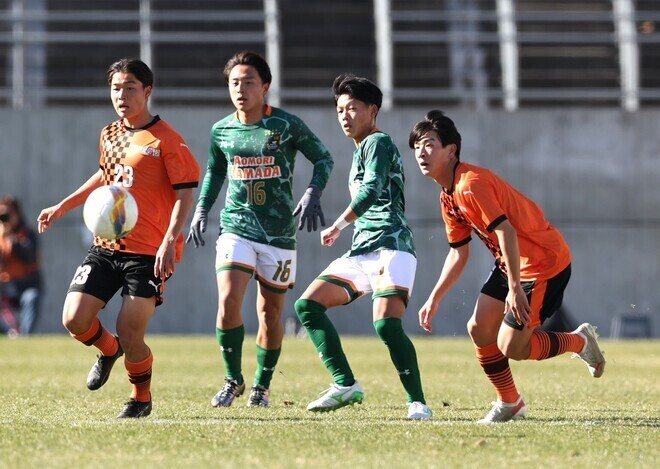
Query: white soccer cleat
x=336 y=397
x=419 y=411
x=591 y=353
x=230 y=391
x=259 y=396
x=504 y=412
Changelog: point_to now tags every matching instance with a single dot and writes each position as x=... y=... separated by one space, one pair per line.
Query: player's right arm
x=455 y=262
x=76 y=198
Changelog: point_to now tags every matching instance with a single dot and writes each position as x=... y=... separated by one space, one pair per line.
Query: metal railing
x=471 y=52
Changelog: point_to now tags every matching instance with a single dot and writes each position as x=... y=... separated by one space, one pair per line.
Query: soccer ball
x=110 y=212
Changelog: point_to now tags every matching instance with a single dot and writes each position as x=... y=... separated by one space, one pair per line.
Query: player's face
x=246 y=89
x=357 y=118
x=129 y=96
x=433 y=159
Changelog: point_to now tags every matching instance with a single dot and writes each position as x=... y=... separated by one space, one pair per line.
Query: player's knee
x=130 y=339
x=473 y=328
x=269 y=319
x=308 y=310
x=227 y=305
x=73 y=322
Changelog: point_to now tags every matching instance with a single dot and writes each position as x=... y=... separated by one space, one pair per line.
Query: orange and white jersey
x=480 y=201
x=151 y=163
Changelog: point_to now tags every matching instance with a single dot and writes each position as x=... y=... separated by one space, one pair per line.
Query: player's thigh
x=326 y=293
x=79 y=311
x=270 y=304
x=342 y=282
x=544 y=297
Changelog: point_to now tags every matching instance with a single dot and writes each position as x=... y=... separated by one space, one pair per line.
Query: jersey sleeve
x=481 y=198
x=181 y=165
x=377 y=164
x=313 y=149
x=216 y=172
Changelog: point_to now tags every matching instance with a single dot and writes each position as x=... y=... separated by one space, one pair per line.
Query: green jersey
x=258 y=162
x=376 y=184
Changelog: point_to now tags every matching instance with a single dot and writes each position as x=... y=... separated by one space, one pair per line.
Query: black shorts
x=544 y=296
x=104 y=272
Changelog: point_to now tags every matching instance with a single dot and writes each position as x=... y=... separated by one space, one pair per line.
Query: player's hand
x=197 y=227
x=426 y=314
x=48 y=216
x=330 y=235
x=516 y=302
x=309 y=208
x=165 y=258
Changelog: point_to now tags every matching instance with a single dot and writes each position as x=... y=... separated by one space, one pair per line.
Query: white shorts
x=383 y=273
x=274 y=268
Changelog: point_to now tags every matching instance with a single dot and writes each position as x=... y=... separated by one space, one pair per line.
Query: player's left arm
x=313 y=149
x=516 y=300
x=166 y=255
x=377 y=168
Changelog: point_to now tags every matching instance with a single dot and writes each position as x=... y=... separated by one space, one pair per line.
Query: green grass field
x=48 y=418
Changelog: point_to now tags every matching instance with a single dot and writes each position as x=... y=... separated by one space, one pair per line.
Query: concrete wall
x=595 y=172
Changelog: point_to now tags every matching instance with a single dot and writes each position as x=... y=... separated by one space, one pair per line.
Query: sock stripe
x=139 y=375
x=496 y=367
x=544 y=345
x=96 y=336
x=143 y=378
x=498 y=372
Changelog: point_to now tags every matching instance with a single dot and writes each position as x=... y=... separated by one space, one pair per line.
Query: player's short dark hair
x=247 y=57
x=442 y=125
x=136 y=67
x=358 y=88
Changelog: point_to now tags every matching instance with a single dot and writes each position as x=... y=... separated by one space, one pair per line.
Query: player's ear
x=147 y=92
x=374 y=111
x=266 y=86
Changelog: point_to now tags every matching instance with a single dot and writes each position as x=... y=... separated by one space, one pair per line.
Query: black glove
x=197 y=227
x=309 y=208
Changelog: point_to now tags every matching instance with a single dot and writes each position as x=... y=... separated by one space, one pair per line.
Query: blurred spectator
x=20 y=278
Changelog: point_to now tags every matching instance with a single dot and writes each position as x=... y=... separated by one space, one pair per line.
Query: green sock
x=266 y=361
x=231 y=348
x=326 y=340
x=403 y=355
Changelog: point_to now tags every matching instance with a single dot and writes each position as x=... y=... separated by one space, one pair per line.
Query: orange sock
x=496 y=367
x=139 y=374
x=99 y=337
x=546 y=345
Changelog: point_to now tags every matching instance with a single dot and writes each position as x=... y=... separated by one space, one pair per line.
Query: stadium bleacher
x=468 y=52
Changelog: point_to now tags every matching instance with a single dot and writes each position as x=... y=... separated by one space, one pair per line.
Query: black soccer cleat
x=100 y=372
x=135 y=409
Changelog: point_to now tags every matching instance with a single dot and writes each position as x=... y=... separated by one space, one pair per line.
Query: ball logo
x=118 y=211
x=110 y=212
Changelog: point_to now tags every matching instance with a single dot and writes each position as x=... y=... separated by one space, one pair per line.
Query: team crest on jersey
x=149 y=151
x=273 y=140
